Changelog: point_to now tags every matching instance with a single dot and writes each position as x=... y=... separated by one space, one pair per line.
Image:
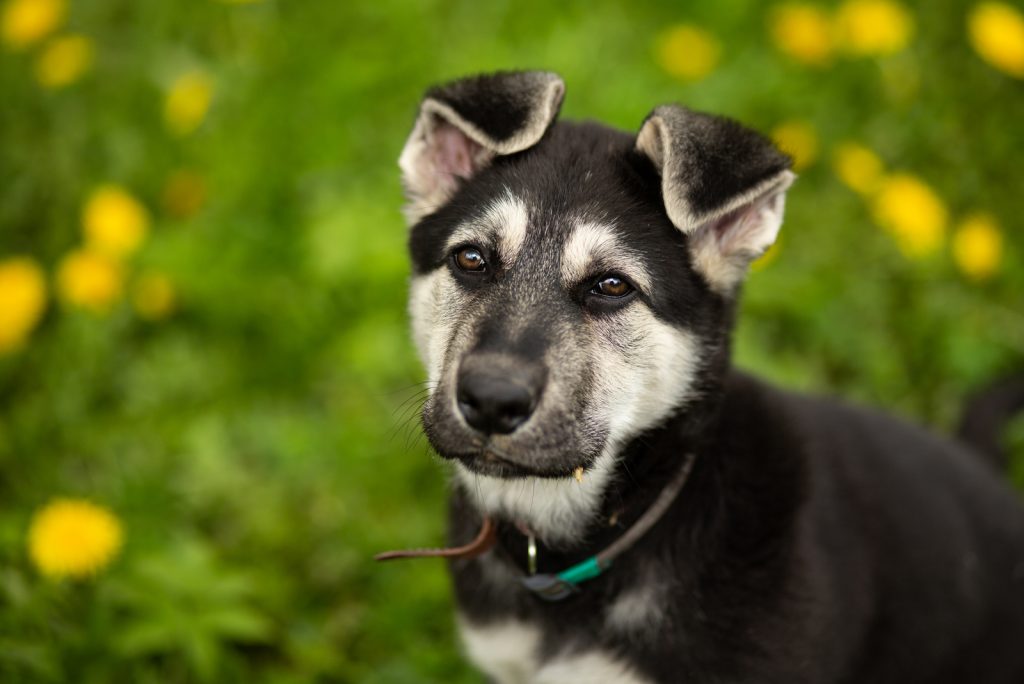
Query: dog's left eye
x=470 y=259
x=611 y=286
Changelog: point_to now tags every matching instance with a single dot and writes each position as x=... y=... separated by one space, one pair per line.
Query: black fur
x=499 y=104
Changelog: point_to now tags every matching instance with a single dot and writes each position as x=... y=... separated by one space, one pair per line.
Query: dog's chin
x=492 y=465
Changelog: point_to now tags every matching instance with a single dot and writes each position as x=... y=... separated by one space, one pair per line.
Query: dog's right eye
x=470 y=260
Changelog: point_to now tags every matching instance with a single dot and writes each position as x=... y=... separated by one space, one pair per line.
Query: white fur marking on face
x=556 y=509
x=432 y=299
x=643 y=389
x=502 y=225
x=592 y=244
x=587 y=668
x=507 y=652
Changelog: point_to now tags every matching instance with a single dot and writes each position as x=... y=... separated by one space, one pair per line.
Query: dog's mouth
x=487 y=461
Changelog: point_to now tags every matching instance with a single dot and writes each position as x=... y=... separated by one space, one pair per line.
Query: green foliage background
x=256 y=444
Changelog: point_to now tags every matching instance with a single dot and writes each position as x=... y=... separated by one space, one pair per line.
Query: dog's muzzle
x=496 y=395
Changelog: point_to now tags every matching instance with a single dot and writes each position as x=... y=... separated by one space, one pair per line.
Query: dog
x=629 y=507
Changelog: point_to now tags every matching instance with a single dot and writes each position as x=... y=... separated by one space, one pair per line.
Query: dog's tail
x=986 y=415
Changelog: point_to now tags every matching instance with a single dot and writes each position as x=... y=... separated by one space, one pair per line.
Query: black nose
x=494 y=403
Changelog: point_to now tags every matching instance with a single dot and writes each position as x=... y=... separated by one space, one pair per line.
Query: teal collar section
x=581 y=572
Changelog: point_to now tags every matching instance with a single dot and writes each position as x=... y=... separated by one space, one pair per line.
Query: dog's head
x=572 y=284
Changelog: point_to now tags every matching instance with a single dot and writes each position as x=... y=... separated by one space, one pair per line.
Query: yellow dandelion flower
x=73 y=538
x=25 y=22
x=64 y=61
x=90 y=280
x=802 y=32
x=978 y=246
x=915 y=215
x=115 y=223
x=799 y=140
x=184 y=194
x=687 y=52
x=996 y=32
x=873 y=27
x=857 y=167
x=22 y=300
x=153 y=297
x=187 y=102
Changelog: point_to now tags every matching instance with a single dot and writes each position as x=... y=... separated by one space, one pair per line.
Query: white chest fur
x=509 y=653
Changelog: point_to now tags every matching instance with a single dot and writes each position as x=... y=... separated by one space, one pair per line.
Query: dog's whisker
x=418 y=396
x=404 y=421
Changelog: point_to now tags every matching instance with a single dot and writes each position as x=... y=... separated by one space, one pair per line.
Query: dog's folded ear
x=723 y=186
x=464 y=124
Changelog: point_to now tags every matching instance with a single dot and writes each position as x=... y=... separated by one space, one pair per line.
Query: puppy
x=630 y=508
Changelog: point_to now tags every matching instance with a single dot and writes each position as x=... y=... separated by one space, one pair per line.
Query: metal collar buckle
x=549 y=587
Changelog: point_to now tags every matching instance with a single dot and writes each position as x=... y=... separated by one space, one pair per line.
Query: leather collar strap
x=555 y=587
x=485 y=540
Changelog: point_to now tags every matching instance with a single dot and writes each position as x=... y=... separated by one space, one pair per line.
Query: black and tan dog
x=649 y=514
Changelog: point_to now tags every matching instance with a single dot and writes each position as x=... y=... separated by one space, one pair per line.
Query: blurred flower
x=64 y=61
x=26 y=21
x=873 y=27
x=153 y=297
x=73 y=538
x=799 y=140
x=803 y=32
x=90 y=280
x=115 y=223
x=996 y=31
x=184 y=194
x=22 y=300
x=857 y=167
x=687 y=52
x=978 y=246
x=912 y=212
x=187 y=102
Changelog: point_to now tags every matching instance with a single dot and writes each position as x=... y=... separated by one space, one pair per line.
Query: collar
x=557 y=586
x=561 y=585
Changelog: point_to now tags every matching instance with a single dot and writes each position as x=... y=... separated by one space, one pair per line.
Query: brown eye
x=612 y=286
x=470 y=259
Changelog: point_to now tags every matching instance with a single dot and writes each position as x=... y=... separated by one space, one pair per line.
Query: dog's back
x=916 y=542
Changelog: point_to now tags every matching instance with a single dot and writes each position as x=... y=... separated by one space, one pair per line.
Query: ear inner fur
x=709 y=165
x=464 y=124
x=723 y=185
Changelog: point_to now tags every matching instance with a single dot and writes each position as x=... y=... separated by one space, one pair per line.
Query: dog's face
x=571 y=283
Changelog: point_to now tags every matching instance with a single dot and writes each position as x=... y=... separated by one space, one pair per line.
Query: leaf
x=237 y=623
x=145 y=638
